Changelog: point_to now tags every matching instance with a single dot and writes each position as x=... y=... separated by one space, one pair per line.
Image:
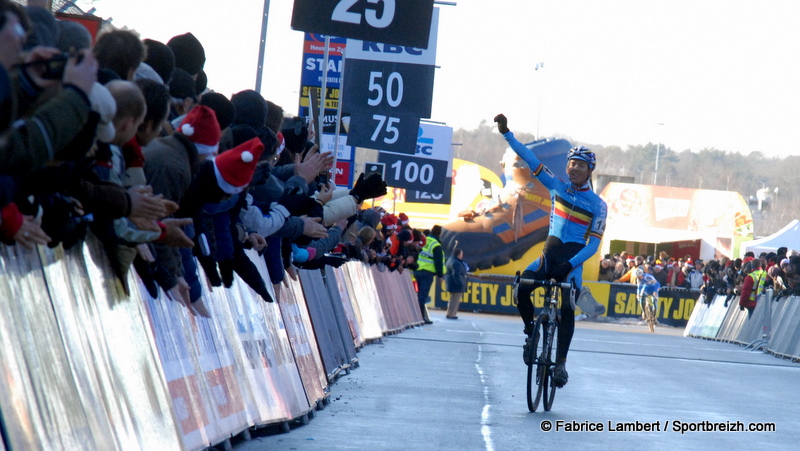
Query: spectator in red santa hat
x=403 y=220
x=171 y=164
x=234 y=168
x=389 y=221
x=202 y=128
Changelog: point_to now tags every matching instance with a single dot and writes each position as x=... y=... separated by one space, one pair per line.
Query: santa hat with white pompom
x=202 y=128
x=234 y=168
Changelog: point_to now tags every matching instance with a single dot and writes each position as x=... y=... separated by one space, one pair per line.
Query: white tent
x=788 y=237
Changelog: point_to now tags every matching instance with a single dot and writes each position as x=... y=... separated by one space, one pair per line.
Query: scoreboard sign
x=386 y=90
x=400 y=22
x=394 y=132
x=428 y=170
x=386 y=86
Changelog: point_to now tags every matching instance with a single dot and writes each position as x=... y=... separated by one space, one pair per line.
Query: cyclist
x=577 y=223
x=647 y=285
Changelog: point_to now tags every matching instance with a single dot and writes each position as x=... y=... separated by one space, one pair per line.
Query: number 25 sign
x=399 y=22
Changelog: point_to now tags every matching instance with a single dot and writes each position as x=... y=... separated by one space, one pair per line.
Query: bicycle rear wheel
x=537 y=373
x=548 y=357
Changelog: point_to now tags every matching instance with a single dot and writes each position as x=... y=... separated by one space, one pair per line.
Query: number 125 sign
x=399 y=22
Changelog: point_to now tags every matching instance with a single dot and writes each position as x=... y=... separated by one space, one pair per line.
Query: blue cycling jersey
x=577 y=215
x=647 y=285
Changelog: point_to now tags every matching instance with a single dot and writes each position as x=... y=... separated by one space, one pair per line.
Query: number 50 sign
x=399 y=22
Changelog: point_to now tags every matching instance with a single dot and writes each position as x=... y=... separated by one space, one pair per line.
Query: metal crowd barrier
x=773 y=326
x=87 y=367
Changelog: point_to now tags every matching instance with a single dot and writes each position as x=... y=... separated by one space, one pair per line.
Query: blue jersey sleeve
x=538 y=169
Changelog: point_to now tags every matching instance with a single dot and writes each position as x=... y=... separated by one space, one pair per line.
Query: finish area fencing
x=84 y=366
x=771 y=327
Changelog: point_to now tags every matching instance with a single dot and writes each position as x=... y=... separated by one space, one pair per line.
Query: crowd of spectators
x=724 y=276
x=122 y=138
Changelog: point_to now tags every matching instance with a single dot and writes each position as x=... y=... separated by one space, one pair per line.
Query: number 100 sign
x=421 y=174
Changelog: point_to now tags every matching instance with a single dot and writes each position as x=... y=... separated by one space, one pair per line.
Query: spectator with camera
x=42 y=134
x=44 y=123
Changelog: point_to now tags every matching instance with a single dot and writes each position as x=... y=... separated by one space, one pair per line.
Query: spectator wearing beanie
x=189 y=53
x=274 y=117
x=160 y=58
x=184 y=96
x=251 y=108
x=222 y=107
x=200 y=83
x=250 y=113
x=72 y=36
x=44 y=28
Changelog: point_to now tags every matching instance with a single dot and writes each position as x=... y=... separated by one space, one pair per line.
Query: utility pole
x=658 y=154
x=261 y=46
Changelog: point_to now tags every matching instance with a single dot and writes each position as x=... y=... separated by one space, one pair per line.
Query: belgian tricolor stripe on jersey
x=572 y=213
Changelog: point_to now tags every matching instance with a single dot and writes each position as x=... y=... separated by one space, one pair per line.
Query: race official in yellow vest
x=430 y=264
x=753 y=286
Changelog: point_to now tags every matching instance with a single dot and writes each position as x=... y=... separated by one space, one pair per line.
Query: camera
x=54 y=67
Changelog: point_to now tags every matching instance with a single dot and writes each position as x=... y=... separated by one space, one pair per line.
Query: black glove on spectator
x=226 y=272
x=248 y=272
x=350 y=221
x=61 y=222
x=210 y=267
x=502 y=124
x=335 y=260
x=147 y=272
x=368 y=187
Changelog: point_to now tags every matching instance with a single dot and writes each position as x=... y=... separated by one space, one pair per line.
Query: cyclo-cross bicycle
x=543 y=338
x=649 y=310
x=543 y=342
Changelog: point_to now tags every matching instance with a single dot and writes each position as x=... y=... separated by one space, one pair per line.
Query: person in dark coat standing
x=455 y=280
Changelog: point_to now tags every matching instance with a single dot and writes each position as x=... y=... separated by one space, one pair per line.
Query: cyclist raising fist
x=577 y=223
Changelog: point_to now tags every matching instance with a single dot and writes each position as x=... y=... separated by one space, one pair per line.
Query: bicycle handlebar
x=516 y=279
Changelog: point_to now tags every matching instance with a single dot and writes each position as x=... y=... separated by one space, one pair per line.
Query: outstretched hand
x=502 y=123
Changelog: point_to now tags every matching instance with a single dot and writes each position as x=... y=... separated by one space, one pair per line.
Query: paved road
x=459 y=385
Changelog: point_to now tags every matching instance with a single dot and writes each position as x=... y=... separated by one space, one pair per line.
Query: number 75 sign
x=400 y=22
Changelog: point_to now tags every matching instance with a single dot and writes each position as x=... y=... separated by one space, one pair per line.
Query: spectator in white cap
x=660 y=274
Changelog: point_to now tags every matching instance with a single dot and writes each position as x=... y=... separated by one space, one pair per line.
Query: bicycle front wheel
x=537 y=372
x=650 y=315
x=548 y=355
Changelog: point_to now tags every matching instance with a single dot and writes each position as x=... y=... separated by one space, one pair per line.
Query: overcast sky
x=716 y=73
